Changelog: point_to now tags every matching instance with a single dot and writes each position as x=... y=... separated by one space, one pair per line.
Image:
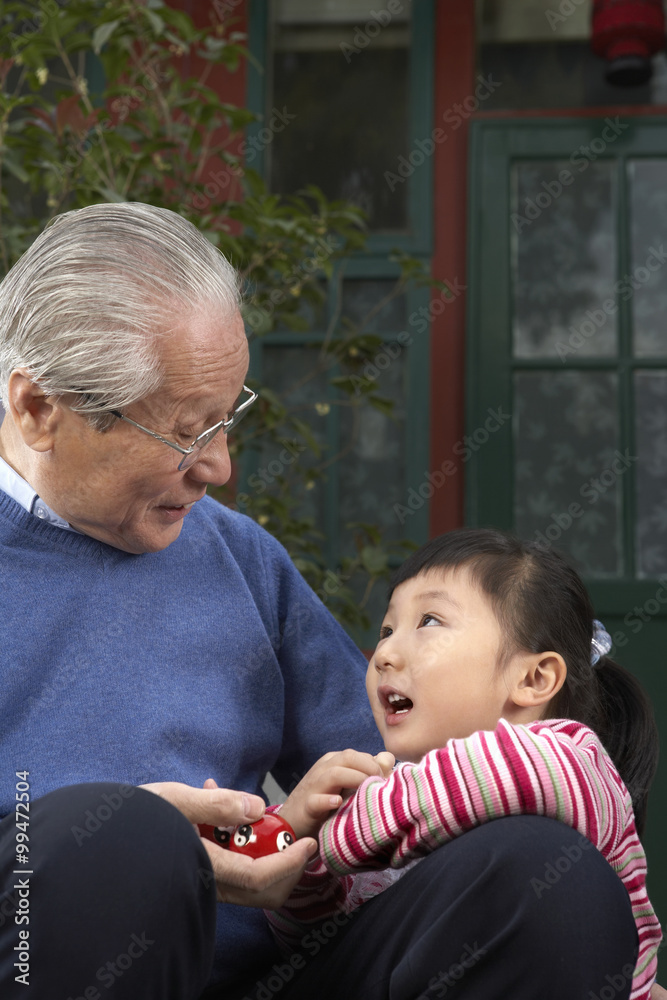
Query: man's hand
x=264 y=882
x=324 y=787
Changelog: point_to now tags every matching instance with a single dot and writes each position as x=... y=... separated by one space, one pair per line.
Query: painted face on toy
x=268 y=835
x=218 y=834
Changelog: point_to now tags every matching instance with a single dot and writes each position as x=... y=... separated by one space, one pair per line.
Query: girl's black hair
x=541 y=604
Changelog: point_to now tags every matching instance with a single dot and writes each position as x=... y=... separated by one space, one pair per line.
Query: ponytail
x=626 y=726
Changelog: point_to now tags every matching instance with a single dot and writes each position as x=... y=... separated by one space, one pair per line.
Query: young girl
x=489 y=682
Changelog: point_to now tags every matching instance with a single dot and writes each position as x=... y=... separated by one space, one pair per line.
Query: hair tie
x=600 y=643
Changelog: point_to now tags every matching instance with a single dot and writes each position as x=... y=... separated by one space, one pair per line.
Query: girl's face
x=433 y=676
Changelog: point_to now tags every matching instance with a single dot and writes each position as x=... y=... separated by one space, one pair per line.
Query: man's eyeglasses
x=191 y=453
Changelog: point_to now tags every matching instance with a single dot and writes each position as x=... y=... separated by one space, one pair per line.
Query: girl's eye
x=385 y=632
x=429 y=620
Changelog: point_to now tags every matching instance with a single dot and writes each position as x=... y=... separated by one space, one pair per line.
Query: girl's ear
x=537 y=679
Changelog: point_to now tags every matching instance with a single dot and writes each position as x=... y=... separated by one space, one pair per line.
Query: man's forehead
x=210 y=330
x=203 y=359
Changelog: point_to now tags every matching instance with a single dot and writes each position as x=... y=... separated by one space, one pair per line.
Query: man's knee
x=109 y=825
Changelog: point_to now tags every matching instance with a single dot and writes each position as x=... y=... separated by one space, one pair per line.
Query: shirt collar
x=17 y=488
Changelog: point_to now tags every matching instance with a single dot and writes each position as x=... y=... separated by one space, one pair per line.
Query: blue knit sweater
x=211 y=658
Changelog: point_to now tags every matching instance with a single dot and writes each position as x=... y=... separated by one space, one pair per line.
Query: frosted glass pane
x=290 y=372
x=364 y=304
x=647 y=282
x=348 y=124
x=568 y=467
x=651 y=448
x=372 y=473
x=563 y=260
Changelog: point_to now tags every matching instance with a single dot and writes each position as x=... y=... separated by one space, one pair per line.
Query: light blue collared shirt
x=16 y=487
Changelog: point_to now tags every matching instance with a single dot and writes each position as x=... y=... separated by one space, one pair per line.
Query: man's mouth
x=181 y=506
x=175 y=511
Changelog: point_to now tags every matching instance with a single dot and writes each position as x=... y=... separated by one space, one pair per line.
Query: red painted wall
x=454 y=82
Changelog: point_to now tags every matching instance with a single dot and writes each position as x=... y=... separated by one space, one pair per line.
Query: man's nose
x=213 y=463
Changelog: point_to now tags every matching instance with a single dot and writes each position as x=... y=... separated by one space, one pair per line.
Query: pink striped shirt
x=556 y=768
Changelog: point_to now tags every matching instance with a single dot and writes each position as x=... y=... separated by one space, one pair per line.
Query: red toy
x=269 y=834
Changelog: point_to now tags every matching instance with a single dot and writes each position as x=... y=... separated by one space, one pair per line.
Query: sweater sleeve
x=324 y=701
x=557 y=769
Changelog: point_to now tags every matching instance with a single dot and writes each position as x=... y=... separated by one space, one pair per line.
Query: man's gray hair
x=83 y=308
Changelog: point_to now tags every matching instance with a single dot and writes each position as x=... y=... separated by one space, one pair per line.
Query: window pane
x=290 y=372
x=344 y=79
x=651 y=465
x=647 y=282
x=563 y=260
x=362 y=304
x=372 y=474
x=568 y=468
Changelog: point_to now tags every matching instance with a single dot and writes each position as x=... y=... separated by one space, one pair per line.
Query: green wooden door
x=567 y=343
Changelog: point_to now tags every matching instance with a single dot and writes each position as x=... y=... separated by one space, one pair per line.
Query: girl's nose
x=388 y=654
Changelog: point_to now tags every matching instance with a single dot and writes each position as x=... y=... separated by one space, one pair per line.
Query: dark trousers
x=520 y=908
x=120 y=902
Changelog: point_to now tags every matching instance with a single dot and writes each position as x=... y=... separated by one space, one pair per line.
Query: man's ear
x=35 y=415
x=537 y=679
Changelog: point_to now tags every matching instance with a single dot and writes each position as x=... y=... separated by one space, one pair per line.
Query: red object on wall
x=627 y=33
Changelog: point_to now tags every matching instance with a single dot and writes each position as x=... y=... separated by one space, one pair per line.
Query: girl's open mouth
x=396 y=705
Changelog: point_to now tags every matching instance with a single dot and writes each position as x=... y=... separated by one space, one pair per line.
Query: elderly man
x=153 y=637
x=148 y=632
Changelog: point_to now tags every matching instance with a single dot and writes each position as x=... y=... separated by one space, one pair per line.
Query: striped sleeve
x=557 y=769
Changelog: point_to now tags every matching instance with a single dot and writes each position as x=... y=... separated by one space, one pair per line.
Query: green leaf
x=15 y=168
x=300 y=324
x=157 y=24
x=110 y=195
x=374 y=559
x=180 y=21
x=102 y=34
x=385 y=406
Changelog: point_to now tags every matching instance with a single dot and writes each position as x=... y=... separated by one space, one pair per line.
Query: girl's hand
x=323 y=787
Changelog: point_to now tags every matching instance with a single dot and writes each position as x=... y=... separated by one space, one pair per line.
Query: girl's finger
x=321 y=804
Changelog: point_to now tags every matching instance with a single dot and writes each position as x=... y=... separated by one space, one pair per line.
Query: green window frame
x=374 y=263
x=495 y=147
